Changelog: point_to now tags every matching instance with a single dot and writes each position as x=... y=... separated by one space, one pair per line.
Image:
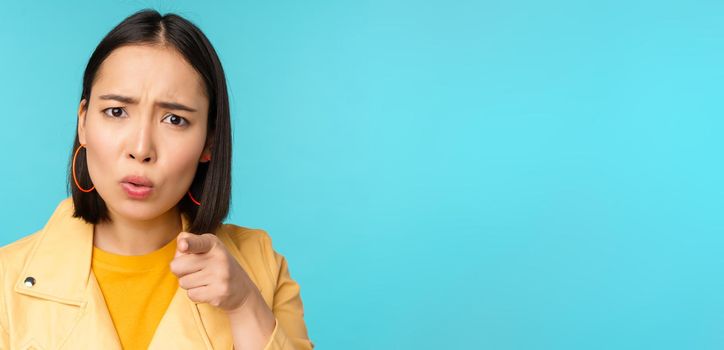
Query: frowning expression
x=145 y=129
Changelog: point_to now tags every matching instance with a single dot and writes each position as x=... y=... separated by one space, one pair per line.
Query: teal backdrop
x=439 y=174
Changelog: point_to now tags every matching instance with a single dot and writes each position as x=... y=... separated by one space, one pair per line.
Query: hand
x=209 y=274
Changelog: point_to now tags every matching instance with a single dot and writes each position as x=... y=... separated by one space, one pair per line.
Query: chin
x=136 y=209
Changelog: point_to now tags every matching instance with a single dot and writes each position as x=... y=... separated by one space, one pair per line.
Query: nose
x=144 y=159
x=141 y=145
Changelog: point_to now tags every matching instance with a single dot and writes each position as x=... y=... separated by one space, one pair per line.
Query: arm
x=255 y=326
x=252 y=325
x=291 y=331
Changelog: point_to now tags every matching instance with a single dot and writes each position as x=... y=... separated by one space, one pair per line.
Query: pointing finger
x=190 y=243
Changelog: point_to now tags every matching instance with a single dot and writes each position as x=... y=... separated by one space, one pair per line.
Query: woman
x=138 y=257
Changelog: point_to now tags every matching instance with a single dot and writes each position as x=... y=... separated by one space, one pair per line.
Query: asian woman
x=138 y=257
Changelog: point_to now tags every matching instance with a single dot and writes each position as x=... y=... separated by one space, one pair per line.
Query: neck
x=133 y=237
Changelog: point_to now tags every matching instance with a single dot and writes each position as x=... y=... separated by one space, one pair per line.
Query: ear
x=82 y=112
x=206 y=154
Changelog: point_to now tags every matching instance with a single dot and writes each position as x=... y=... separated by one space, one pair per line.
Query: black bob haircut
x=212 y=183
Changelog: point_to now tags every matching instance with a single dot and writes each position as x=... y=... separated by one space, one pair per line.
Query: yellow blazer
x=65 y=309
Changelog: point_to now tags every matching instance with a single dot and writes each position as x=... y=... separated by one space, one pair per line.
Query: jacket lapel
x=175 y=331
x=99 y=319
x=60 y=260
x=60 y=264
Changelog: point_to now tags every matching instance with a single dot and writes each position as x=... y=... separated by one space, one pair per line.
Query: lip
x=137 y=187
x=137 y=180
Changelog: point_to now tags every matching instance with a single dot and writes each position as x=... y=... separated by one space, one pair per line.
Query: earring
x=73 y=170
x=193 y=199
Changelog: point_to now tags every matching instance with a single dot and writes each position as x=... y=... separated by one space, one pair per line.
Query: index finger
x=195 y=244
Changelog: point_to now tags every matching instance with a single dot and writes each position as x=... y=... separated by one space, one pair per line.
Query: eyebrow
x=163 y=104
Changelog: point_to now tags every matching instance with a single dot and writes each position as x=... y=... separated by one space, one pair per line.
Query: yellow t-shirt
x=137 y=290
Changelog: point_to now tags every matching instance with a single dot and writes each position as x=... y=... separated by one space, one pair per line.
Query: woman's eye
x=115 y=112
x=175 y=120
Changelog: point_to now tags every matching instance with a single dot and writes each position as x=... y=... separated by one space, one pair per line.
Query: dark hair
x=212 y=182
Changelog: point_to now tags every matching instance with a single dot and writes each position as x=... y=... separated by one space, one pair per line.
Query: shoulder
x=248 y=241
x=13 y=257
x=242 y=235
x=252 y=248
x=14 y=254
x=253 y=244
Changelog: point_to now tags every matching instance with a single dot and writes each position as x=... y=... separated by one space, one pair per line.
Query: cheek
x=100 y=153
x=181 y=164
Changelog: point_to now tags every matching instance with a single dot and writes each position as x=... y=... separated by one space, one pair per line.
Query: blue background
x=440 y=174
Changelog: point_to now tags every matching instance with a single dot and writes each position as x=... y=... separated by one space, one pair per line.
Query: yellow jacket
x=65 y=309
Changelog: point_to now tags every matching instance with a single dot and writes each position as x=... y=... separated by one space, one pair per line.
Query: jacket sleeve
x=290 y=331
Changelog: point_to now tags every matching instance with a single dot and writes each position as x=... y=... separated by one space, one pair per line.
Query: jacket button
x=29 y=282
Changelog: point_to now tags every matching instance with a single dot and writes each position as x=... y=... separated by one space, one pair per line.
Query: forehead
x=155 y=72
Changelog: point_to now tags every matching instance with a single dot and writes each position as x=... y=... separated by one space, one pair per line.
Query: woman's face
x=144 y=128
